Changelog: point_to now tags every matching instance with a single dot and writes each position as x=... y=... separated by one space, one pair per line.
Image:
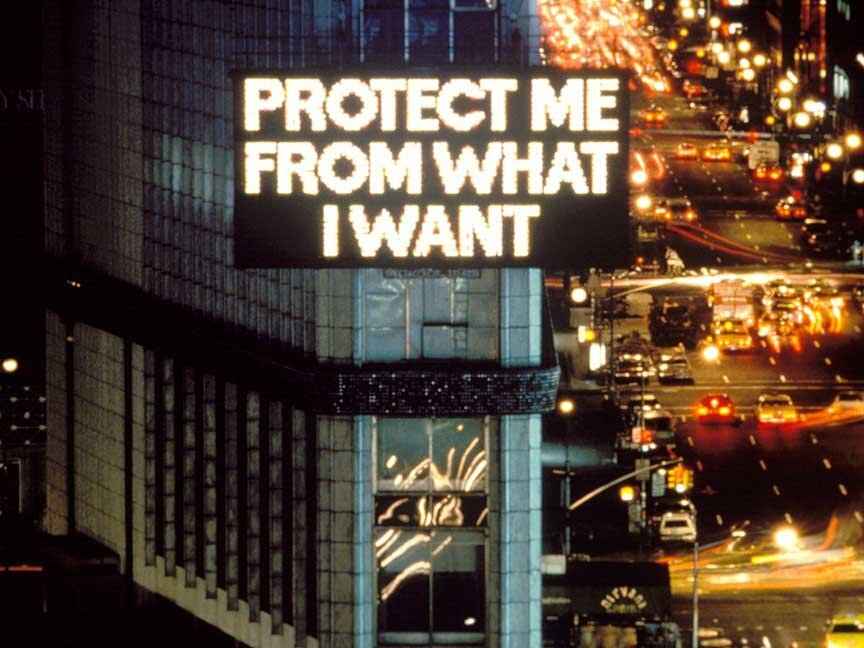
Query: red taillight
x=724 y=411
x=702 y=410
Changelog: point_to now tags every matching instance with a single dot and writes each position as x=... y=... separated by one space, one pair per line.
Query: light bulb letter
x=566 y=167
x=406 y=169
x=327 y=167
x=599 y=152
x=260 y=95
x=449 y=92
x=598 y=101
x=330 y=231
x=342 y=90
x=435 y=231
x=304 y=96
x=522 y=215
x=300 y=159
x=514 y=165
x=481 y=174
x=383 y=230
x=488 y=231
x=419 y=100
x=498 y=89
x=387 y=89
x=254 y=164
x=568 y=107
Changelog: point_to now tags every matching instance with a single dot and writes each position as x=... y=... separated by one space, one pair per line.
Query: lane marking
x=763 y=464
x=827 y=463
x=842 y=489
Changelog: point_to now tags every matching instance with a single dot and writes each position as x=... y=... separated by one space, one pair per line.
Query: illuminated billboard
x=455 y=169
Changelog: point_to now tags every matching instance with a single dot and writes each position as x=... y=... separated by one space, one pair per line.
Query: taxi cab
x=768 y=173
x=775 y=409
x=687 y=151
x=653 y=116
x=717 y=153
x=733 y=335
x=845 y=631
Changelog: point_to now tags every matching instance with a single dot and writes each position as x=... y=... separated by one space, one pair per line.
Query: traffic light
x=679 y=479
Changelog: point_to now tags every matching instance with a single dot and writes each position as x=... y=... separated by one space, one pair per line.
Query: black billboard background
x=573 y=231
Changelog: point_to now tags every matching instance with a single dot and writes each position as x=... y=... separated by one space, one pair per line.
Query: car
x=768 y=173
x=776 y=409
x=686 y=151
x=661 y=425
x=848 y=400
x=716 y=408
x=693 y=89
x=716 y=153
x=732 y=335
x=681 y=209
x=845 y=631
x=632 y=368
x=826 y=239
x=674 y=369
x=653 y=116
x=677 y=526
x=791 y=208
x=647 y=402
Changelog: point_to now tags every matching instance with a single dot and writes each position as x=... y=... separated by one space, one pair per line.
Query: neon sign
x=455 y=170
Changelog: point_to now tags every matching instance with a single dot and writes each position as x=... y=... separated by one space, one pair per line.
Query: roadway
x=809 y=475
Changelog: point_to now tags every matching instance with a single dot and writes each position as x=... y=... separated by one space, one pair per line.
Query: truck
x=597 y=603
x=732 y=300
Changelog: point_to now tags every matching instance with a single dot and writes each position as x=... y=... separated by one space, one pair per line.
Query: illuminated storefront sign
x=455 y=170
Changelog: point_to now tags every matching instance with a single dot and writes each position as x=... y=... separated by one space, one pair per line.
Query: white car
x=848 y=400
x=677 y=526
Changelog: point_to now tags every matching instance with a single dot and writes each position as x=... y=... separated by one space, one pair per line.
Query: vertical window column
x=150 y=491
x=274 y=542
x=189 y=475
x=232 y=498
x=208 y=389
x=253 y=506
x=169 y=473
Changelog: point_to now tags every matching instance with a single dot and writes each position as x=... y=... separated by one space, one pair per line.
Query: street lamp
x=785 y=86
x=784 y=104
x=744 y=46
x=9 y=365
x=802 y=119
x=858 y=176
x=786 y=538
x=759 y=60
x=834 y=151
x=852 y=141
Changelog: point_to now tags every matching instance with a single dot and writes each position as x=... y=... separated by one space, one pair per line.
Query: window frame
x=480 y=533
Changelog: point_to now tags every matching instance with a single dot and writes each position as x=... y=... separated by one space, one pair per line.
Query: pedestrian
x=857 y=252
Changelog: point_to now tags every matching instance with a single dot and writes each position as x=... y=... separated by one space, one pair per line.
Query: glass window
x=429 y=31
x=383 y=30
x=430 y=540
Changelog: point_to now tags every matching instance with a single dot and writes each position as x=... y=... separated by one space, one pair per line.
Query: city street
x=750 y=478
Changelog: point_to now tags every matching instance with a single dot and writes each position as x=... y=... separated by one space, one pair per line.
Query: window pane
x=429 y=31
x=383 y=30
x=458 y=510
x=403 y=454
x=458 y=591
x=399 y=510
x=403 y=580
x=458 y=454
x=474 y=37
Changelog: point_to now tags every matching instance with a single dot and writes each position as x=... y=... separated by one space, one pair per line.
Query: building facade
x=298 y=457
